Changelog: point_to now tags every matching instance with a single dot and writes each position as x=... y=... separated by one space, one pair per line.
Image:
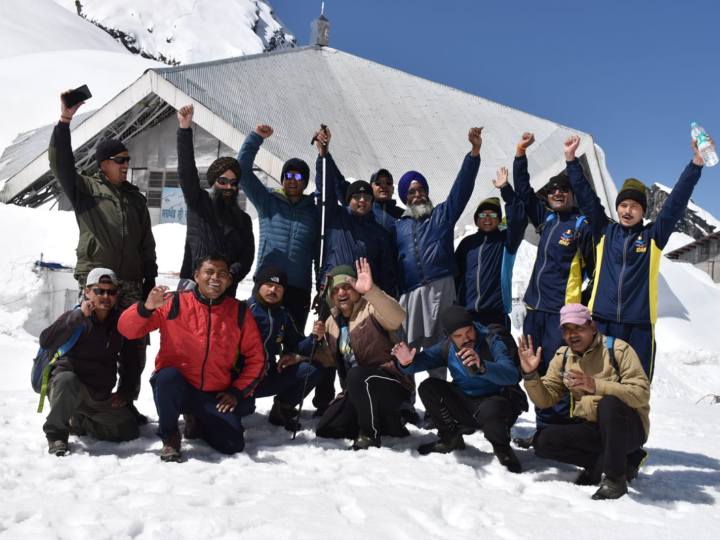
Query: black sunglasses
x=97 y=291
x=120 y=159
x=223 y=181
x=294 y=176
x=561 y=189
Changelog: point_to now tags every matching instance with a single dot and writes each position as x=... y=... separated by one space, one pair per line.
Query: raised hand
x=501 y=178
x=526 y=140
x=264 y=130
x=697 y=157
x=185 y=116
x=403 y=353
x=158 y=297
x=570 y=147
x=66 y=113
x=322 y=140
x=364 y=280
x=529 y=357
x=475 y=138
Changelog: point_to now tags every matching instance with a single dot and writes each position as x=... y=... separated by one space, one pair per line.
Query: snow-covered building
x=703 y=253
x=379 y=116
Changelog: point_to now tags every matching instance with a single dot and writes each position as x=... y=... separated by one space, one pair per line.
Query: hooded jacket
x=114 y=222
x=277 y=329
x=206 y=232
x=289 y=233
x=202 y=339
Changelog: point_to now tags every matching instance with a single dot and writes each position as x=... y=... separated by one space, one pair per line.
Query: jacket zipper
x=479 y=260
x=622 y=271
x=207 y=348
x=545 y=249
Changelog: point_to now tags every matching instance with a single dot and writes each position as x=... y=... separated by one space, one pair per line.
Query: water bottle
x=705 y=147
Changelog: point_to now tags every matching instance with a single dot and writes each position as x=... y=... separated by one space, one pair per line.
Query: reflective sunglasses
x=120 y=159
x=361 y=197
x=293 y=176
x=485 y=215
x=97 y=291
x=224 y=181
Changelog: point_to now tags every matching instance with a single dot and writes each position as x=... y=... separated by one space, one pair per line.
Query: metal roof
x=379 y=117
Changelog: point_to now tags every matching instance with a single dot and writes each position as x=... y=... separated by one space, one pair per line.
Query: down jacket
x=289 y=233
x=202 y=338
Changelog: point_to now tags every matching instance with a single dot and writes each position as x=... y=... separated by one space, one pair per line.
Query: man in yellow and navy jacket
x=565 y=256
x=625 y=292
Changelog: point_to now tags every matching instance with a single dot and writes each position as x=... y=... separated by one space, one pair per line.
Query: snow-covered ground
x=315 y=488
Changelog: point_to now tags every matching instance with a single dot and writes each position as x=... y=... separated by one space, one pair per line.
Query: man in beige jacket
x=609 y=401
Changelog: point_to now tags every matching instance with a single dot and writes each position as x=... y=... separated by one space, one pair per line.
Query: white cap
x=97 y=274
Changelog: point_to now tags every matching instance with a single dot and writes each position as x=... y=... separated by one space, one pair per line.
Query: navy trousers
x=175 y=396
x=641 y=337
x=288 y=384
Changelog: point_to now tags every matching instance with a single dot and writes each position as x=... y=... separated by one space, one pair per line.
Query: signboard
x=172 y=206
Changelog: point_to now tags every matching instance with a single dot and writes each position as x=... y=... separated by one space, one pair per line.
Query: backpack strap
x=564 y=362
x=174 y=307
x=610 y=344
x=242 y=308
x=61 y=351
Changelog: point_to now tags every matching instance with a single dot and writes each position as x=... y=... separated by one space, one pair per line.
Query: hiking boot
x=507 y=458
x=611 y=488
x=171 y=449
x=524 y=442
x=76 y=427
x=140 y=418
x=193 y=429
x=285 y=415
x=635 y=460
x=363 y=442
x=454 y=442
x=588 y=477
x=58 y=448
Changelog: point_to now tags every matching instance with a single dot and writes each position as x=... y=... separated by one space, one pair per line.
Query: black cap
x=219 y=166
x=561 y=180
x=298 y=165
x=379 y=173
x=108 y=148
x=358 y=186
x=271 y=274
x=455 y=317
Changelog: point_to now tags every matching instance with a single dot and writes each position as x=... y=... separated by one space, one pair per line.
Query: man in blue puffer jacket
x=565 y=256
x=289 y=223
x=486 y=258
x=351 y=230
x=481 y=368
x=424 y=238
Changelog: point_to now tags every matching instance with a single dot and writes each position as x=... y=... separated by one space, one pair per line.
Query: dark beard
x=227 y=211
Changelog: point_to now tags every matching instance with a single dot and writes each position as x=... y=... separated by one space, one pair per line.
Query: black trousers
x=371 y=406
x=325 y=388
x=601 y=447
x=297 y=302
x=449 y=406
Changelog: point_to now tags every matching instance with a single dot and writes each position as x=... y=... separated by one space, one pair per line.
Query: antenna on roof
x=320 y=29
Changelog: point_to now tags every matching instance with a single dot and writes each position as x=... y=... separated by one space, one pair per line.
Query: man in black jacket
x=215 y=221
x=82 y=381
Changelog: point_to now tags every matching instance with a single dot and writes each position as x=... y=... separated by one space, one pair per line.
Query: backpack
x=43 y=364
x=513 y=393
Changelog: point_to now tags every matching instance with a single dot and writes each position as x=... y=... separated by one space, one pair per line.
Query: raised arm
x=62 y=161
x=256 y=192
x=187 y=171
x=586 y=199
x=330 y=195
x=384 y=308
x=462 y=188
x=534 y=205
x=143 y=317
x=515 y=215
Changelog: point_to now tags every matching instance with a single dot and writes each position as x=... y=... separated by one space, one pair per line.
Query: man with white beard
x=424 y=236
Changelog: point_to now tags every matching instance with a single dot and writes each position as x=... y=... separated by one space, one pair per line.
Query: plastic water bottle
x=705 y=147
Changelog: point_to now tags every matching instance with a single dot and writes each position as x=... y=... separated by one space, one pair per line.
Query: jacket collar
x=207 y=301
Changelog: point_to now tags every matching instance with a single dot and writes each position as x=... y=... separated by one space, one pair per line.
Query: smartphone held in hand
x=75 y=96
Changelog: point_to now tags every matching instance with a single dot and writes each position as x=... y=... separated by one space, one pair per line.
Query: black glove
x=148 y=285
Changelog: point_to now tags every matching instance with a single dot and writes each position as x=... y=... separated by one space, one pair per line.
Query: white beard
x=420 y=210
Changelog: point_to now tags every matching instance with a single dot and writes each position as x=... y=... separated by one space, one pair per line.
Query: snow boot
x=611 y=488
x=285 y=415
x=58 y=448
x=363 y=442
x=193 y=429
x=587 y=477
x=507 y=458
x=443 y=446
x=170 y=452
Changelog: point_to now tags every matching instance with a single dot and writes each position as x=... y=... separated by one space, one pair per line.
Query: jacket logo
x=640 y=245
x=566 y=237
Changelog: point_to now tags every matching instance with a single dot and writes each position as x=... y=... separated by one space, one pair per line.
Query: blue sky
x=632 y=73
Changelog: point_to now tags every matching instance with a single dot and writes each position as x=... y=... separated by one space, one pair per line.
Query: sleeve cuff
x=143 y=311
x=532 y=376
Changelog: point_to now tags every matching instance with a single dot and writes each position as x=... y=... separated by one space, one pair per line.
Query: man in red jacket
x=211 y=357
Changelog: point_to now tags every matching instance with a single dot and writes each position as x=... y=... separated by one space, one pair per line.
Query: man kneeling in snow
x=82 y=380
x=481 y=368
x=609 y=397
x=206 y=336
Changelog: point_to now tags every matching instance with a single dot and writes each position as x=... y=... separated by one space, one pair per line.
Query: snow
x=187 y=31
x=706 y=216
x=311 y=487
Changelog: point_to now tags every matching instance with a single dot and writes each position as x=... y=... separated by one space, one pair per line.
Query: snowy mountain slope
x=314 y=488
x=696 y=221
x=184 y=31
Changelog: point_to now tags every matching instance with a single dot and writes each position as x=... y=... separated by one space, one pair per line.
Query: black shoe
x=76 y=428
x=363 y=442
x=611 y=488
x=524 y=442
x=635 y=460
x=410 y=416
x=58 y=448
x=140 y=418
x=507 y=458
x=193 y=429
x=587 y=478
x=170 y=452
x=285 y=415
x=455 y=442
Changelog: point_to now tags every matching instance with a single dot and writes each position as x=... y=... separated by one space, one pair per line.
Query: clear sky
x=633 y=73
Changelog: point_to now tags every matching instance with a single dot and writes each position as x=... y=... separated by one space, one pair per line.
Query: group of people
x=393 y=298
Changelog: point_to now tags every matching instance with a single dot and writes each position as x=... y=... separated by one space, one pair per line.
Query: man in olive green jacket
x=609 y=401
x=115 y=229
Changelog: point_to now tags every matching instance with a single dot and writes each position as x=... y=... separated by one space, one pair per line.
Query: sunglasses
x=361 y=197
x=561 y=189
x=383 y=182
x=293 y=176
x=120 y=159
x=485 y=215
x=223 y=181
x=97 y=291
